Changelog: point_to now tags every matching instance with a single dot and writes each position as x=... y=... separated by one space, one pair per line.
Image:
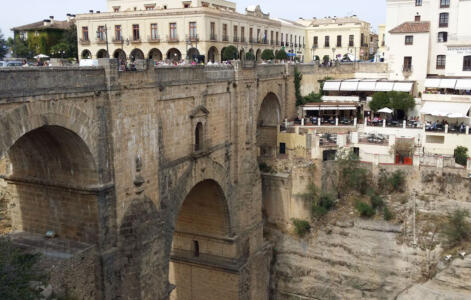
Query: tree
x=20 y=48
x=380 y=100
x=249 y=56
x=230 y=53
x=399 y=101
x=456 y=230
x=281 y=55
x=267 y=54
x=3 y=46
x=461 y=155
x=326 y=59
x=70 y=38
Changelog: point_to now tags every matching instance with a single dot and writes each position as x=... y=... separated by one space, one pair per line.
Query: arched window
x=199 y=136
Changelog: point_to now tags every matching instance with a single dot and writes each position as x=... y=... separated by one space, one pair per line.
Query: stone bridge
x=155 y=170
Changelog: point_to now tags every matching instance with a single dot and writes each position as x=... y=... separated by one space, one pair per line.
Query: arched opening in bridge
x=120 y=55
x=213 y=54
x=155 y=54
x=136 y=54
x=192 y=54
x=86 y=54
x=269 y=118
x=51 y=179
x=199 y=137
x=174 y=54
x=102 y=54
x=203 y=251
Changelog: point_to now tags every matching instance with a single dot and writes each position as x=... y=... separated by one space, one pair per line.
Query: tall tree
x=3 y=46
x=20 y=48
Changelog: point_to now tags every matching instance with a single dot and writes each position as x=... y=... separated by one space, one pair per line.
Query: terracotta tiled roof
x=412 y=27
x=61 y=25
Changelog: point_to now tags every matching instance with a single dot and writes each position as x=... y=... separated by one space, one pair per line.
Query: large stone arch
x=155 y=54
x=203 y=232
x=17 y=122
x=102 y=53
x=51 y=173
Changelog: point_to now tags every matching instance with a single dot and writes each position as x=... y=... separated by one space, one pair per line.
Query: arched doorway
x=136 y=54
x=213 y=54
x=155 y=54
x=192 y=54
x=102 y=54
x=269 y=117
x=202 y=234
x=120 y=55
x=51 y=178
x=258 y=56
x=174 y=54
x=86 y=54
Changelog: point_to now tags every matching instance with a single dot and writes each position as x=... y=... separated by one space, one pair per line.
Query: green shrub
x=230 y=53
x=313 y=98
x=281 y=55
x=388 y=215
x=376 y=201
x=365 y=210
x=326 y=59
x=395 y=182
x=267 y=54
x=249 y=56
x=456 y=229
x=322 y=205
x=298 y=77
x=461 y=155
x=301 y=227
x=17 y=271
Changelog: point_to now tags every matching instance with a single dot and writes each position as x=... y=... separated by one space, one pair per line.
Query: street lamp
x=100 y=31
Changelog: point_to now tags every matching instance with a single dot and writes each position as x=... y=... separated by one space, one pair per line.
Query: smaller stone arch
x=155 y=54
x=120 y=55
x=174 y=54
x=102 y=53
x=192 y=54
x=213 y=54
x=136 y=54
x=86 y=54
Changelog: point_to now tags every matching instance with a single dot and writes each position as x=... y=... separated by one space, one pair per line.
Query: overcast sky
x=21 y=12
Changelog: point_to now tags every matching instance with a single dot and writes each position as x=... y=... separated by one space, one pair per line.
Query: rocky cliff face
x=346 y=257
x=362 y=260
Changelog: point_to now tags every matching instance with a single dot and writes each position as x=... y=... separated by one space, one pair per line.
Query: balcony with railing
x=172 y=38
x=136 y=40
x=192 y=38
x=100 y=40
x=225 y=38
x=235 y=39
x=153 y=39
x=242 y=39
x=407 y=68
x=117 y=40
x=84 y=41
x=213 y=37
x=264 y=41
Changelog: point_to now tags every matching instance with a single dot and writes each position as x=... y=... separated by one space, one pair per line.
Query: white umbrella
x=41 y=56
x=385 y=110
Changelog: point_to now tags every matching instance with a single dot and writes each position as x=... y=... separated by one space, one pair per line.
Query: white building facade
x=182 y=30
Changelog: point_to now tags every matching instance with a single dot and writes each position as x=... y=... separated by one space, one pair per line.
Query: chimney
x=46 y=22
x=52 y=19
x=91 y=11
x=97 y=11
x=69 y=16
